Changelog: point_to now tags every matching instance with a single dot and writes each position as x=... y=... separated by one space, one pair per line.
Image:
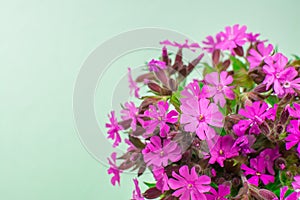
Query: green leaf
x=150 y=185
x=237 y=64
x=174 y=100
x=272 y=100
x=242 y=79
x=208 y=69
x=296 y=56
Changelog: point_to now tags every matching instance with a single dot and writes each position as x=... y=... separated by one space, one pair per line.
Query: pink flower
x=131 y=112
x=296 y=183
x=159 y=117
x=251 y=37
x=211 y=43
x=114 y=128
x=283 y=190
x=223 y=149
x=192 y=46
x=282 y=79
x=257 y=171
x=294 y=137
x=268 y=157
x=189 y=185
x=223 y=191
x=256 y=57
x=133 y=85
x=233 y=37
x=158 y=153
x=156 y=65
x=198 y=116
x=114 y=169
x=294 y=112
x=244 y=143
x=193 y=90
x=255 y=116
x=290 y=82
x=162 y=179
x=219 y=87
x=136 y=194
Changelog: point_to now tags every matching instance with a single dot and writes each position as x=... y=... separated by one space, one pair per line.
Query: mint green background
x=42 y=46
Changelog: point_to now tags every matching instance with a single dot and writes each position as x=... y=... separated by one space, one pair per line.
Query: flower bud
x=280 y=163
x=257 y=75
x=152 y=193
x=216 y=56
x=239 y=51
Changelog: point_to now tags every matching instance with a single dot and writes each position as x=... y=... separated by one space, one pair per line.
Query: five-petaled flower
x=114 y=128
x=257 y=171
x=223 y=191
x=223 y=149
x=256 y=57
x=159 y=152
x=255 y=115
x=199 y=115
x=159 y=117
x=218 y=87
x=114 y=169
x=233 y=37
x=188 y=185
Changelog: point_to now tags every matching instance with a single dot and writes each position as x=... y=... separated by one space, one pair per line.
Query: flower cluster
x=233 y=134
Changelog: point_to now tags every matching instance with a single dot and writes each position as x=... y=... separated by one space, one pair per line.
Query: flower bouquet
x=231 y=132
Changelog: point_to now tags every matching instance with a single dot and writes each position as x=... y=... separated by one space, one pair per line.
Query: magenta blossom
x=283 y=190
x=223 y=149
x=268 y=158
x=282 y=79
x=244 y=144
x=134 y=89
x=293 y=138
x=162 y=179
x=156 y=65
x=290 y=82
x=198 y=116
x=294 y=112
x=136 y=194
x=159 y=117
x=233 y=37
x=219 y=88
x=223 y=191
x=192 y=46
x=252 y=37
x=114 y=169
x=257 y=171
x=255 y=116
x=296 y=183
x=131 y=112
x=189 y=185
x=114 y=128
x=256 y=57
x=158 y=153
x=193 y=90
x=211 y=43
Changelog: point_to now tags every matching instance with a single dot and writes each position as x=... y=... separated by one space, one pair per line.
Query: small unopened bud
x=152 y=193
x=236 y=182
x=260 y=88
x=216 y=56
x=226 y=64
x=280 y=163
x=257 y=75
x=239 y=51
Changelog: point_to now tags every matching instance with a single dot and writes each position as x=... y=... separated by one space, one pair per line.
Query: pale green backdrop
x=42 y=46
